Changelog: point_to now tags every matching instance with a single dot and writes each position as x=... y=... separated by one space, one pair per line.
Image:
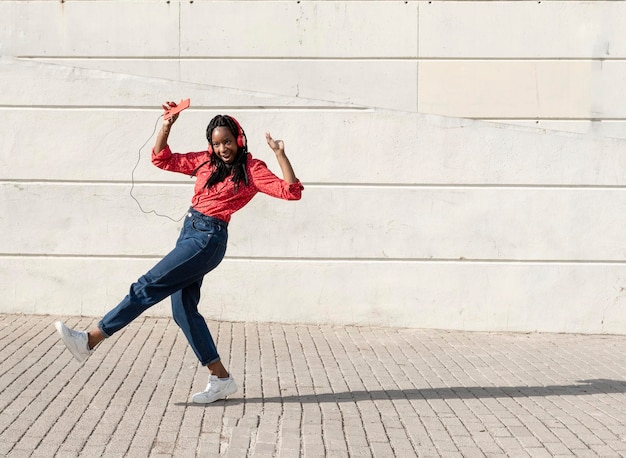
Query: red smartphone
x=177 y=109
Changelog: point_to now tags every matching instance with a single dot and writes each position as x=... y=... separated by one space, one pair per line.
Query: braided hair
x=221 y=169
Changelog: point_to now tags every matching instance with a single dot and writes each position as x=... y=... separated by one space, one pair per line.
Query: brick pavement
x=312 y=391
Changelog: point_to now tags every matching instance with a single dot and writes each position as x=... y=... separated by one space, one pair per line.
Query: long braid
x=222 y=170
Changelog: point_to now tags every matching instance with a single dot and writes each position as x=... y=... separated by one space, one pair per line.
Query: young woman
x=227 y=178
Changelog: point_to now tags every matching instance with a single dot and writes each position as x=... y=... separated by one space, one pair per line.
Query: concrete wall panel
x=530 y=29
x=330 y=222
x=217 y=29
x=455 y=223
x=93 y=28
x=299 y=29
x=326 y=147
x=500 y=296
x=35 y=84
x=323 y=81
x=521 y=89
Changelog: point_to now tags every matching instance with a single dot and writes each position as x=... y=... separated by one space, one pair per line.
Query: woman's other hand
x=278 y=146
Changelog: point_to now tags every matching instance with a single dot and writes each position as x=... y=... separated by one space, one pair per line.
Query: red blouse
x=221 y=201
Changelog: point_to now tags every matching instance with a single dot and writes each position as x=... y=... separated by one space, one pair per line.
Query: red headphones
x=241 y=135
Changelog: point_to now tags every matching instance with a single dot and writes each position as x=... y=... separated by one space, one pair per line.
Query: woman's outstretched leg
x=197 y=252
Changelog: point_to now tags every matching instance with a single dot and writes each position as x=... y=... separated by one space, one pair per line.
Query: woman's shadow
x=581 y=388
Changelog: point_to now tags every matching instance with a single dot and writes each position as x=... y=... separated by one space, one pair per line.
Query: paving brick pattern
x=312 y=391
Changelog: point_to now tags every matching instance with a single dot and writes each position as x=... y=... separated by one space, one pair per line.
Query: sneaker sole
x=62 y=330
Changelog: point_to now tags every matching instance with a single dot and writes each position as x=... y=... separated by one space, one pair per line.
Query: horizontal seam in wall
x=553 y=118
x=45 y=59
x=409 y=58
x=510 y=59
x=305 y=108
x=367 y=260
x=20 y=181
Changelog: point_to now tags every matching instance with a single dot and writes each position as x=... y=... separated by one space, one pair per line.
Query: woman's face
x=224 y=144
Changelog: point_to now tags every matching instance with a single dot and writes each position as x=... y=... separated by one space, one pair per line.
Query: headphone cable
x=132 y=179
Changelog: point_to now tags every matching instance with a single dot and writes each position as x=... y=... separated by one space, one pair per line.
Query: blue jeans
x=200 y=248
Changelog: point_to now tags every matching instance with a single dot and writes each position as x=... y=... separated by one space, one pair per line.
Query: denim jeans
x=200 y=248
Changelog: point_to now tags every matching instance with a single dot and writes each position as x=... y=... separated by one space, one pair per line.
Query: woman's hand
x=161 y=140
x=278 y=146
x=167 y=123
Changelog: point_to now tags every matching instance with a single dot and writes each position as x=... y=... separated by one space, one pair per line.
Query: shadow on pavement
x=584 y=387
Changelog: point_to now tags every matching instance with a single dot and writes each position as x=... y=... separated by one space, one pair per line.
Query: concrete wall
x=463 y=161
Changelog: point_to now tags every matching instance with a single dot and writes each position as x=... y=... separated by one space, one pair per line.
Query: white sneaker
x=75 y=341
x=217 y=388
